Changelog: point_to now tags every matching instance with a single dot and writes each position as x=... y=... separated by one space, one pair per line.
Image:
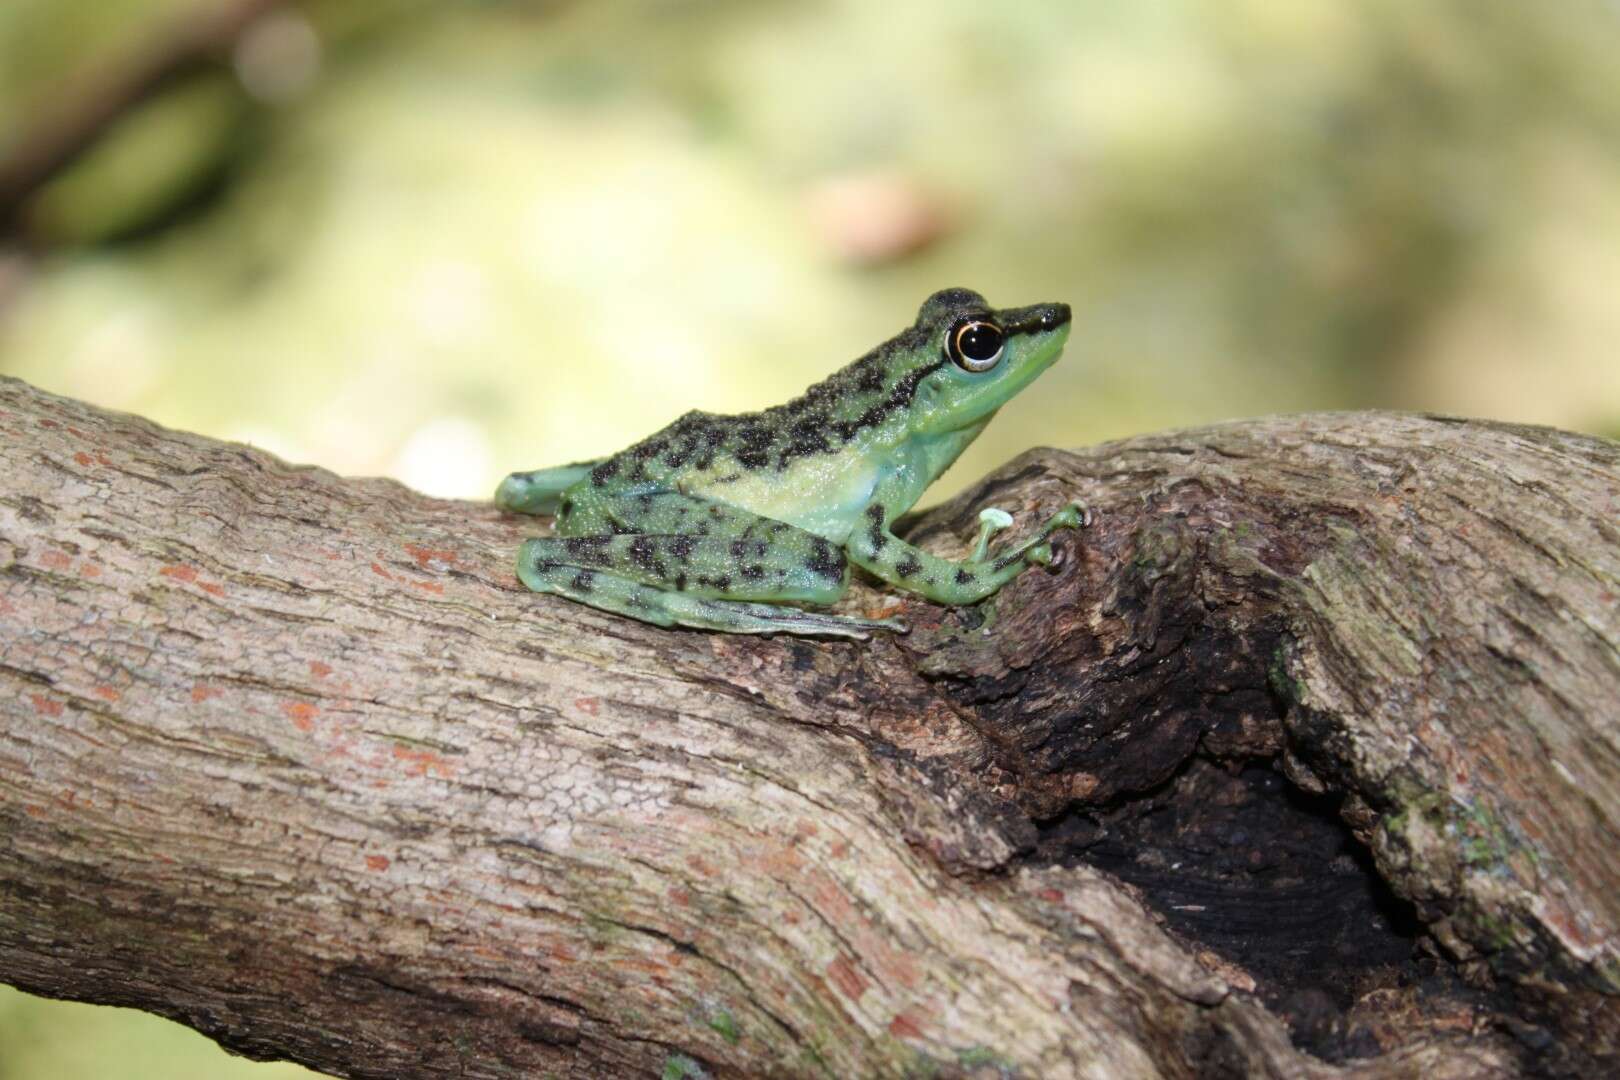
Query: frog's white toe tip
x=995 y=518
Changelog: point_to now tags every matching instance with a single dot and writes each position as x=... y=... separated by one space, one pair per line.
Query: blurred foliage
x=445 y=240
x=440 y=254
x=59 y=1040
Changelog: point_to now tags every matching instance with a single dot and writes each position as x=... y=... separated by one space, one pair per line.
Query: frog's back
x=697 y=442
x=851 y=411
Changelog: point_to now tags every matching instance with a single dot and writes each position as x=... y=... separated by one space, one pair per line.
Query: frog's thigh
x=658 y=513
x=776 y=562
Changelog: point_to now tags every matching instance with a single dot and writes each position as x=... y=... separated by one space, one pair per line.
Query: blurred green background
x=445 y=240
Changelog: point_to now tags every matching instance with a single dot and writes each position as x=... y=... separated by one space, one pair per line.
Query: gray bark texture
x=1302 y=760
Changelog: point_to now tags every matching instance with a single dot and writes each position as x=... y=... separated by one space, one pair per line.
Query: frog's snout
x=1036 y=319
x=1051 y=316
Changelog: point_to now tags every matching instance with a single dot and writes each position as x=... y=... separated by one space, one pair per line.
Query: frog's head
x=973 y=358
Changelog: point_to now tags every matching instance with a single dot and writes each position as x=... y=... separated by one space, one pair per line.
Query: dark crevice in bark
x=1159 y=758
x=1238 y=860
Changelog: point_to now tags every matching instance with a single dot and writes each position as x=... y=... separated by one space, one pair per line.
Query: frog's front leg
x=875 y=548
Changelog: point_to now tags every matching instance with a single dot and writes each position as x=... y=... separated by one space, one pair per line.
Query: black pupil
x=978 y=341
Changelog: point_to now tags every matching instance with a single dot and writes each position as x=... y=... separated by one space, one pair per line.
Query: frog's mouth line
x=1045 y=345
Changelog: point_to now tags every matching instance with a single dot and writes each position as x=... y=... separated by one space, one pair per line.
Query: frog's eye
x=974 y=345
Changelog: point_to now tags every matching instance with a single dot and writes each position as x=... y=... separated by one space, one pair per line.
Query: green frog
x=733 y=522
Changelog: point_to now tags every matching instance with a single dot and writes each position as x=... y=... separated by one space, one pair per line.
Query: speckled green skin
x=724 y=522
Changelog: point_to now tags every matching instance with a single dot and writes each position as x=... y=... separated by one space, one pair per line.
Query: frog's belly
x=824 y=495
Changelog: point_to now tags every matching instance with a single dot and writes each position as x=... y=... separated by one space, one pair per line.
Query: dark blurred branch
x=81 y=113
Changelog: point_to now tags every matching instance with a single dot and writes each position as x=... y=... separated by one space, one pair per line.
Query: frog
x=746 y=523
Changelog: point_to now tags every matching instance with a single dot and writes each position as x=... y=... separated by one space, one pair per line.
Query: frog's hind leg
x=540 y=491
x=625 y=596
x=708 y=582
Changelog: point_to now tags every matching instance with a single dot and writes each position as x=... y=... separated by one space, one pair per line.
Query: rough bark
x=1301 y=761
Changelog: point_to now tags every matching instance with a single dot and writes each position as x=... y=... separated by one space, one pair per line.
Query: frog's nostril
x=1054 y=316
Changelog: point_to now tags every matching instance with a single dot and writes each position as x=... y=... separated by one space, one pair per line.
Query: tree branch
x=295 y=760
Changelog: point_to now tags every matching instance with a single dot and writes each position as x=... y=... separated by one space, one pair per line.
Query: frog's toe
x=992 y=519
x=1076 y=515
x=1040 y=555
